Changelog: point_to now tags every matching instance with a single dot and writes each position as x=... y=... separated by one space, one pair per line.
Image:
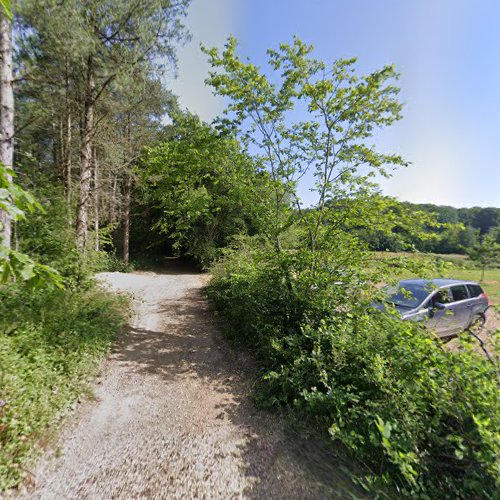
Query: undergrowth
x=424 y=419
x=50 y=343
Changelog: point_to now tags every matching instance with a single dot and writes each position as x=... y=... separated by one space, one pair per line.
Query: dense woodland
x=101 y=170
x=89 y=96
x=457 y=230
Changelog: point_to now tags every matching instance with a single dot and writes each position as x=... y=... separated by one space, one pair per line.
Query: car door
x=479 y=300
x=462 y=306
x=441 y=321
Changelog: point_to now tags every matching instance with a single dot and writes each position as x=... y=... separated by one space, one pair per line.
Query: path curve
x=173 y=415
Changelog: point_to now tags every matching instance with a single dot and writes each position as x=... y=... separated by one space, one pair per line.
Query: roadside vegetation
x=78 y=106
x=51 y=341
x=55 y=326
x=99 y=181
x=423 y=419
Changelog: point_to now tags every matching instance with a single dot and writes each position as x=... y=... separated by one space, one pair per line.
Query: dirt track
x=173 y=415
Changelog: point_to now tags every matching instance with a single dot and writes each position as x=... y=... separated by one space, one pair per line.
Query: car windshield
x=408 y=295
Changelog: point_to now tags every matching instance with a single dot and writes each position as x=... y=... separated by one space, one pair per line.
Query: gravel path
x=173 y=415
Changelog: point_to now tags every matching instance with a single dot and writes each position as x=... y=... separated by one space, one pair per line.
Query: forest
x=101 y=170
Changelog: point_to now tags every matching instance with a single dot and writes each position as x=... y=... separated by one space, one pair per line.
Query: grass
x=50 y=345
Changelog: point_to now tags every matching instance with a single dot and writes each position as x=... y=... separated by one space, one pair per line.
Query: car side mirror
x=439 y=305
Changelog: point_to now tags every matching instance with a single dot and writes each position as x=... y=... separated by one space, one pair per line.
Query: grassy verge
x=50 y=344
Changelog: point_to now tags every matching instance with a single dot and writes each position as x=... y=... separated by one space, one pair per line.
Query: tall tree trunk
x=67 y=162
x=126 y=218
x=68 y=150
x=96 y=201
x=86 y=159
x=62 y=152
x=112 y=201
x=6 y=114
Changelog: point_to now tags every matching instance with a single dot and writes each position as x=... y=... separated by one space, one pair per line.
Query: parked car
x=447 y=307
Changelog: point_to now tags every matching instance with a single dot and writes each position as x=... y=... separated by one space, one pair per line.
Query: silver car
x=446 y=306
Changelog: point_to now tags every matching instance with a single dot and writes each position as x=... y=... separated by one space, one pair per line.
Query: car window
x=459 y=293
x=442 y=296
x=475 y=290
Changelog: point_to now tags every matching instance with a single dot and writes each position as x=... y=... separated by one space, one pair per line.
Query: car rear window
x=475 y=290
x=459 y=292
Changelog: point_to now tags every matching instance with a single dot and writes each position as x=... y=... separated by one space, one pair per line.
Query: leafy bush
x=50 y=341
x=202 y=185
x=424 y=419
x=47 y=236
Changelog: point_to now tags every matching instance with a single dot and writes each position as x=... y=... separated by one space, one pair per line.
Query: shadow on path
x=188 y=348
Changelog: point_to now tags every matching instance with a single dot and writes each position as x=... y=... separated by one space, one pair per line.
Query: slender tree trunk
x=112 y=201
x=96 y=201
x=68 y=150
x=67 y=161
x=86 y=159
x=6 y=114
x=16 y=236
x=126 y=219
x=56 y=147
x=62 y=152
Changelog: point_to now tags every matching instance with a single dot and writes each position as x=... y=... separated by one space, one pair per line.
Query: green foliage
x=342 y=110
x=386 y=224
x=203 y=186
x=50 y=240
x=50 y=341
x=6 y=8
x=15 y=202
x=19 y=266
x=422 y=418
x=460 y=227
x=441 y=229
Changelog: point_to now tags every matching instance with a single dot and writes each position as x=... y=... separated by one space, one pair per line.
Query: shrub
x=50 y=341
x=49 y=238
x=424 y=419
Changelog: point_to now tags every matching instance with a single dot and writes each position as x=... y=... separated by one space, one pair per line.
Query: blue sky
x=448 y=54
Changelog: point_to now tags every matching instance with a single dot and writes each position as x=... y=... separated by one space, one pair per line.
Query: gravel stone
x=173 y=416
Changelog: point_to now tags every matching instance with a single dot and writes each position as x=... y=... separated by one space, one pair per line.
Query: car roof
x=437 y=282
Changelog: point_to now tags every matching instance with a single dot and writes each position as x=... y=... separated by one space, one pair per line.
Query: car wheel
x=477 y=324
